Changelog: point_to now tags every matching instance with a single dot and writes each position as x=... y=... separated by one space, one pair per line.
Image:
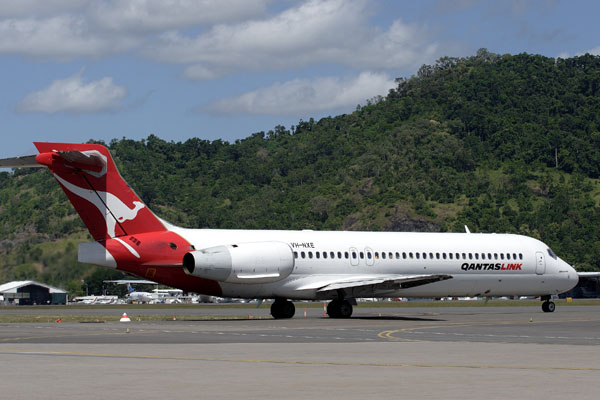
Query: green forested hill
x=500 y=143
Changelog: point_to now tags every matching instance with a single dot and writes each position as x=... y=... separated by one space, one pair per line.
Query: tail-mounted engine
x=256 y=262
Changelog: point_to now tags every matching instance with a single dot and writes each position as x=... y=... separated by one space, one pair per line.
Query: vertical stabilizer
x=90 y=179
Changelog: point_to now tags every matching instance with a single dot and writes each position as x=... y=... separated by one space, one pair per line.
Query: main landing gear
x=282 y=308
x=548 y=305
x=339 y=309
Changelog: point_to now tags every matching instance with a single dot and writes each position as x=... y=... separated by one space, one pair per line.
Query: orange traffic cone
x=125 y=318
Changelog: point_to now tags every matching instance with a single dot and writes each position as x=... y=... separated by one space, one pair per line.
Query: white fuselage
x=480 y=264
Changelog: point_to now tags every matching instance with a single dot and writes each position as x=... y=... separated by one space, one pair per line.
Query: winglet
x=467 y=229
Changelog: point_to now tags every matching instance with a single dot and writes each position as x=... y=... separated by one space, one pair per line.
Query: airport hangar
x=30 y=293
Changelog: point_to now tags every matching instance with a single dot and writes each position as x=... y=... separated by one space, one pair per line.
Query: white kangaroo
x=107 y=204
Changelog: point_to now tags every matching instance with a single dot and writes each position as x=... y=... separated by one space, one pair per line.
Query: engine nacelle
x=255 y=262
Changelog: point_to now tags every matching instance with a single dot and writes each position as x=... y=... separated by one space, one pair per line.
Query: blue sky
x=74 y=70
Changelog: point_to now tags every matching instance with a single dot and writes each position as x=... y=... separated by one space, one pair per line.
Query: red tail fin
x=90 y=179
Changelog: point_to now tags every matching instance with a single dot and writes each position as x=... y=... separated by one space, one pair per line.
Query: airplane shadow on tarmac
x=366 y=318
x=395 y=318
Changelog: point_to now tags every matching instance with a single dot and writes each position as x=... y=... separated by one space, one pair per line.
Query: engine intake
x=254 y=262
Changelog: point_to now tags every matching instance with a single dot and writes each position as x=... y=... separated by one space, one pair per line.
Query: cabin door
x=540 y=265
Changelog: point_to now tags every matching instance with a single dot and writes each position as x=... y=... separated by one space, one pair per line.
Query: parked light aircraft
x=283 y=265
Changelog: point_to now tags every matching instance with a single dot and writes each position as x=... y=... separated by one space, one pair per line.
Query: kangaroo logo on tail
x=109 y=205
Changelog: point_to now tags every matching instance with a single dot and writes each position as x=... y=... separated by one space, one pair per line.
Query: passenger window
x=450 y=256
x=437 y=255
x=383 y=255
x=303 y=255
x=390 y=255
x=470 y=256
x=464 y=256
x=362 y=255
x=508 y=256
x=514 y=256
x=377 y=255
x=310 y=254
x=340 y=255
x=495 y=256
x=295 y=254
x=317 y=254
x=489 y=256
x=444 y=256
x=431 y=255
x=457 y=256
x=369 y=255
x=424 y=256
x=417 y=255
x=410 y=255
x=502 y=256
x=483 y=256
x=404 y=255
x=353 y=254
x=520 y=256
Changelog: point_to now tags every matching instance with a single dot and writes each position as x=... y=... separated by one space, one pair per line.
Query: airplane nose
x=572 y=274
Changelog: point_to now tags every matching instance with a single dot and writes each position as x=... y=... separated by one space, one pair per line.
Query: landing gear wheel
x=339 y=309
x=548 y=306
x=282 y=309
x=332 y=308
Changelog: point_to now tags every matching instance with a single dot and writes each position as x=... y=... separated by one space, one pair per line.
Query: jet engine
x=254 y=262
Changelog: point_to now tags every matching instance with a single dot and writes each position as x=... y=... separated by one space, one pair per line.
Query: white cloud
x=317 y=31
x=73 y=95
x=61 y=37
x=595 y=52
x=160 y=15
x=300 y=96
x=63 y=29
x=29 y=8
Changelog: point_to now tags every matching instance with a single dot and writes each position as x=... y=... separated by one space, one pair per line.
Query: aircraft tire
x=548 y=306
x=332 y=308
x=339 y=309
x=345 y=309
x=282 y=309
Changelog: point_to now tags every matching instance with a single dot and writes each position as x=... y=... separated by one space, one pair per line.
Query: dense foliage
x=500 y=143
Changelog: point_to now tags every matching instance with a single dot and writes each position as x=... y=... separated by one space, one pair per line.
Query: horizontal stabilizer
x=82 y=160
x=20 y=162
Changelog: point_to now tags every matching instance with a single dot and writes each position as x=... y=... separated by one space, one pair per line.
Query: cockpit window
x=551 y=253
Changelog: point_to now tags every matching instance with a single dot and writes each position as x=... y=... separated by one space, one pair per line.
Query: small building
x=31 y=293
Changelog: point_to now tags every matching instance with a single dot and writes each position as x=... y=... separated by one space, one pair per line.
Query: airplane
x=95 y=299
x=290 y=265
x=139 y=297
x=157 y=295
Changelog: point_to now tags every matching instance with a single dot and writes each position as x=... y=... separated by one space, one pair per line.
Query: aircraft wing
x=372 y=284
x=589 y=274
x=134 y=281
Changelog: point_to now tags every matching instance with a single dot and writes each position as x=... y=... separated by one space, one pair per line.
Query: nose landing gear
x=548 y=305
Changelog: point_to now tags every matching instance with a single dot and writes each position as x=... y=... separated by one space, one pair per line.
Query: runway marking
x=389 y=334
x=288 y=362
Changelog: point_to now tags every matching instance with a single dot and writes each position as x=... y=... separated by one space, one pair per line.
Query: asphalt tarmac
x=429 y=352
